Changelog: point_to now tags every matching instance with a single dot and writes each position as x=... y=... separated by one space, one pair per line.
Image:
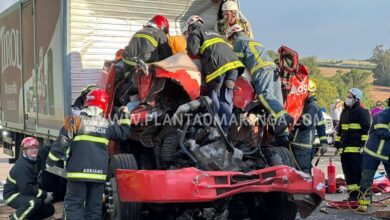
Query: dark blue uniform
x=23 y=192
x=351 y=136
x=87 y=160
x=377 y=149
x=304 y=133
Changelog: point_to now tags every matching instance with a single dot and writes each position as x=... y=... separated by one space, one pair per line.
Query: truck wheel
x=279 y=206
x=121 y=210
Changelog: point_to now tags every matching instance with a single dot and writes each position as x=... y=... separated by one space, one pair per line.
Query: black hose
x=230 y=146
x=181 y=142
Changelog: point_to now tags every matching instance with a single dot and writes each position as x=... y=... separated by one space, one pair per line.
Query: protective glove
x=324 y=148
x=282 y=141
x=49 y=198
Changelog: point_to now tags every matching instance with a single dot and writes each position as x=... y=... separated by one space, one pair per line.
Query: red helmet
x=97 y=98
x=160 y=22
x=29 y=142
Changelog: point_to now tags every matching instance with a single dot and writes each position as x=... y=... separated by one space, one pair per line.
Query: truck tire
x=122 y=210
x=279 y=207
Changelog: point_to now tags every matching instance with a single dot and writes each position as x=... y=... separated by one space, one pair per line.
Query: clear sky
x=340 y=29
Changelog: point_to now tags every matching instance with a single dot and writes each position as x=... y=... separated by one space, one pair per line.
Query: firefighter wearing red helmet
x=149 y=44
x=22 y=190
x=87 y=136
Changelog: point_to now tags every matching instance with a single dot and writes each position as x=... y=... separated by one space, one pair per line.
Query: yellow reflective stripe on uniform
x=323 y=138
x=338 y=138
x=301 y=145
x=11 y=198
x=52 y=157
x=344 y=126
x=364 y=137
x=260 y=62
x=15 y=217
x=385 y=126
x=129 y=62
x=39 y=193
x=354 y=126
x=351 y=150
x=321 y=122
x=28 y=210
x=147 y=37
x=11 y=179
x=268 y=107
x=353 y=187
x=124 y=121
x=372 y=153
x=380 y=147
x=210 y=42
x=340 y=150
x=364 y=202
x=239 y=54
x=86 y=176
x=223 y=69
x=259 y=66
x=91 y=138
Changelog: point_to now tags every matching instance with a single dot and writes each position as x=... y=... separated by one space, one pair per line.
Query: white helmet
x=230 y=6
x=192 y=20
x=234 y=29
x=357 y=93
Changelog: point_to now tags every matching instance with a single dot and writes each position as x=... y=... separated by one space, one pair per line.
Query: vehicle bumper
x=190 y=185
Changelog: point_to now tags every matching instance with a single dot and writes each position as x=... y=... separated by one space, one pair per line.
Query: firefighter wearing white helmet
x=219 y=64
x=310 y=121
x=231 y=16
x=351 y=135
x=265 y=78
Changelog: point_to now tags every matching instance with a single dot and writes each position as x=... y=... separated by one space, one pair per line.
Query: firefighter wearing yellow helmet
x=304 y=131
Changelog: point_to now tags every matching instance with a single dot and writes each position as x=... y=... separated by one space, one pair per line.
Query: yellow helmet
x=312 y=86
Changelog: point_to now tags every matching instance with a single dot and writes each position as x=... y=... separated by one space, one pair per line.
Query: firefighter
x=149 y=44
x=304 y=131
x=231 y=17
x=265 y=78
x=219 y=64
x=351 y=135
x=22 y=190
x=377 y=150
x=80 y=101
x=87 y=136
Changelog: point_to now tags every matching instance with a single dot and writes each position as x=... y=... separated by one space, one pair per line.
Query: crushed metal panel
x=99 y=28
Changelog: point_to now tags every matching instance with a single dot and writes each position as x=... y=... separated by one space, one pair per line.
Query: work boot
x=363 y=204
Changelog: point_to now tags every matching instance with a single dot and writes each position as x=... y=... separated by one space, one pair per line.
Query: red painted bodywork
x=192 y=185
x=184 y=79
x=243 y=93
x=110 y=89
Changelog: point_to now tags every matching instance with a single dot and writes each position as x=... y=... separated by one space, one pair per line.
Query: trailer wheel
x=279 y=207
x=121 y=210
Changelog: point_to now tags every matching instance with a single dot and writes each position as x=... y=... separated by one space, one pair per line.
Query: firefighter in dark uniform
x=22 y=190
x=304 y=131
x=351 y=135
x=377 y=150
x=149 y=44
x=264 y=78
x=87 y=135
x=219 y=64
